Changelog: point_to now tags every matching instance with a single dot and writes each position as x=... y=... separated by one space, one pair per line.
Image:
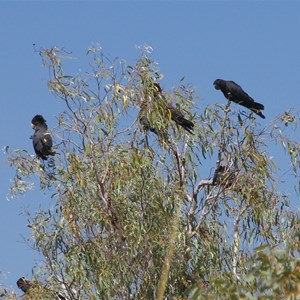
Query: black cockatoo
x=152 y=93
x=24 y=284
x=42 y=140
x=233 y=92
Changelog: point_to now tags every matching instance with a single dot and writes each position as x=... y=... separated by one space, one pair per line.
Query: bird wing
x=41 y=140
x=47 y=139
x=178 y=117
x=237 y=94
x=37 y=142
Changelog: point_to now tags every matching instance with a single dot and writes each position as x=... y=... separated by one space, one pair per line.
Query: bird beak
x=216 y=87
x=32 y=126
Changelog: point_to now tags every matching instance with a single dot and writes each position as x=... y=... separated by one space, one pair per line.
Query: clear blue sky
x=255 y=43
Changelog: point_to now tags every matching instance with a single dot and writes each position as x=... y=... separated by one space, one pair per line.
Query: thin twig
x=236 y=243
x=222 y=146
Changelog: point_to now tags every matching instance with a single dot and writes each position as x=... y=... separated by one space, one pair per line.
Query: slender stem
x=222 y=143
x=236 y=243
x=163 y=281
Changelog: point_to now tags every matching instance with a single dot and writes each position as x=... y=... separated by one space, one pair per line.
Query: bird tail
x=259 y=113
x=256 y=108
x=186 y=124
x=257 y=105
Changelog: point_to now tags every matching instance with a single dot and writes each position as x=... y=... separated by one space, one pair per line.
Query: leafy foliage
x=138 y=216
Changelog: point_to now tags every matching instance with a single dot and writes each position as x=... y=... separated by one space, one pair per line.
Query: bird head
x=217 y=84
x=38 y=120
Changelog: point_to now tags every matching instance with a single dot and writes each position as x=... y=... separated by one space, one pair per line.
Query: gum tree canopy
x=172 y=215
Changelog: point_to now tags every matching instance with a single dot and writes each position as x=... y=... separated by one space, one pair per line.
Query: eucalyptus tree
x=139 y=215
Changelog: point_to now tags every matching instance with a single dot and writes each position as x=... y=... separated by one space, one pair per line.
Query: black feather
x=23 y=284
x=233 y=92
x=152 y=92
x=42 y=140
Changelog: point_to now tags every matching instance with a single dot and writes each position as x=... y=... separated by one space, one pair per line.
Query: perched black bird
x=42 y=140
x=235 y=93
x=219 y=174
x=24 y=284
x=224 y=176
x=153 y=93
x=145 y=108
